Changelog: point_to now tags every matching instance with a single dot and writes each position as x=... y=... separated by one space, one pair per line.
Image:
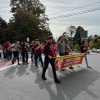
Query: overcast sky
x=54 y=8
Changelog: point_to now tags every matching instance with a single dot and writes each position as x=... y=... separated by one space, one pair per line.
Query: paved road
x=24 y=83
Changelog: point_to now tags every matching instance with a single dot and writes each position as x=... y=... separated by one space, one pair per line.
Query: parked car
x=98 y=50
x=94 y=50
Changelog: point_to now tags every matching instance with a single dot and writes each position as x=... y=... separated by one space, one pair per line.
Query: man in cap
x=49 y=59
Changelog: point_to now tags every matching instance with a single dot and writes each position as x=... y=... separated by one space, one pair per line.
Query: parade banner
x=68 y=60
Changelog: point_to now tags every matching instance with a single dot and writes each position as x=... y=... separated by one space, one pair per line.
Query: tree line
x=74 y=36
x=29 y=21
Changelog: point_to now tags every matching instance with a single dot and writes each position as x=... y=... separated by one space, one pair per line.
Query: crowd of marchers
x=50 y=49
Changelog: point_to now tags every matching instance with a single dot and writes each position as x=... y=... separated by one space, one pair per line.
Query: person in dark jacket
x=49 y=59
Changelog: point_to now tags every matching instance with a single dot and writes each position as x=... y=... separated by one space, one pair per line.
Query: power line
x=77 y=13
x=75 y=8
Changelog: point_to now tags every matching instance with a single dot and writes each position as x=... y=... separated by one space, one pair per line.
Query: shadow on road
x=16 y=70
x=71 y=85
x=22 y=69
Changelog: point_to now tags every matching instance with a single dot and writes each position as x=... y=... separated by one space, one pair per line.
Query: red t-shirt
x=37 y=49
x=54 y=49
x=24 y=48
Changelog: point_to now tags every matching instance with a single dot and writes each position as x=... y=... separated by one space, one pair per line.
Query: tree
x=77 y=47
x=29 y=19
x=98 y=42
x=71 y=30
x=91 y=44
x=94 y=42
x=3 y=26
x=77 y=37
x=32 y=6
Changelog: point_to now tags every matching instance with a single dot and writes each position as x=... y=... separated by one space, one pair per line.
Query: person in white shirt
x=15 y=51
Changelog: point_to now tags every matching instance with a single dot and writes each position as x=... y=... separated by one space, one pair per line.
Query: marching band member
x=38 y=52
x=32 y=50
x=54 y=48
x=24 y=52
x=8 y=50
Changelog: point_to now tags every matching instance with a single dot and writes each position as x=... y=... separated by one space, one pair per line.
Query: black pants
x=25 y=57
x=9 y=55
x=52 y=62
x=15 y=56
x=0 y=54
x=4 y=55
x=36 y=56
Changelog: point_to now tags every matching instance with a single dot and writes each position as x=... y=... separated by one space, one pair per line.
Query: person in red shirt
x=24 y=52
x=49 y=54
x=84 y=48
x=8 y=50
x=54 y=48
x=4 y=50
x=38 y=52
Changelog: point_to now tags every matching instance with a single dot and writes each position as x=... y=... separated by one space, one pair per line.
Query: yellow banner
x=68 y=60
x=69 y=56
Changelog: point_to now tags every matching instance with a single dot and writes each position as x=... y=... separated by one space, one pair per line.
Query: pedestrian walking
x=49 y=59
x=84 y=48
x=8 y=50
x=32 y=50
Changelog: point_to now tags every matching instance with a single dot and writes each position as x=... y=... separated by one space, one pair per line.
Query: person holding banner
x=48 y=52
x=61 y=46
x=84 y=48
